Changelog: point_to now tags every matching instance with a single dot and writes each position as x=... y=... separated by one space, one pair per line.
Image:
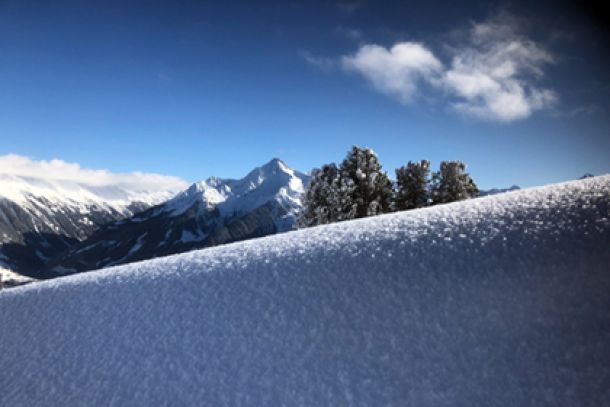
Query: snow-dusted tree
x=452 y=183
x=364 y=189
x=321 y=200
x=412 y=185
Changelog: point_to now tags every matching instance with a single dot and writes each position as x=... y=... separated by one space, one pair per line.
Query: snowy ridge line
x=526 y=198
x=40 y=217
x=280 y=183
x=208 y=213
x=22 y=190
x=501 y=298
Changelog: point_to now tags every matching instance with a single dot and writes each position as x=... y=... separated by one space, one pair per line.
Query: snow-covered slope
x=39 y=218
x=208 y=213
x=500 y=301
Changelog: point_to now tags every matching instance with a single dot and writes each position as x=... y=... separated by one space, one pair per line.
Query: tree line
x=358 y=188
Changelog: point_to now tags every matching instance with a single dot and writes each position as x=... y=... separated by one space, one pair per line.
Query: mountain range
x=40 y=218
x=208 y=213
x=52 y=228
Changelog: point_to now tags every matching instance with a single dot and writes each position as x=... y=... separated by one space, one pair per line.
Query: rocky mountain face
x=208 y=213
x=39 y=219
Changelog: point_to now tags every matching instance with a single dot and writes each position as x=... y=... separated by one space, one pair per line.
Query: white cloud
x=492 y=73
x=60 y=170
x=395 y=71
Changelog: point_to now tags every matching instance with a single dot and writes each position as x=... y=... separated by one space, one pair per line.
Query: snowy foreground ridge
x=497 y=301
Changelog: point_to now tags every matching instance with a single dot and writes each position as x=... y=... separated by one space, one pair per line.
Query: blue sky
x=191 y=89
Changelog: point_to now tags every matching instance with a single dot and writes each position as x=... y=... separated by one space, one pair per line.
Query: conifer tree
x=321 y=200
x=452 y=183
x=412 y=185
x=364 y=189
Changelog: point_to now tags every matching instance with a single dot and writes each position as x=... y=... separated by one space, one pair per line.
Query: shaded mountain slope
x=41 y=218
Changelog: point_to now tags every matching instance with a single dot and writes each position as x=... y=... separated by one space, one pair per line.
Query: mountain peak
x=209 y=212
x=277 y=165
x=272 y=181
x=208 y=192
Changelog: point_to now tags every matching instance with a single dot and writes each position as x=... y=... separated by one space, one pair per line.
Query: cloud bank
x=492 y=72
x=60 y=170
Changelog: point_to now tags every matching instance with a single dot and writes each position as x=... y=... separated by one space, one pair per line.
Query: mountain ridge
x=207 y=213
x=40 y=218
x=65 y=227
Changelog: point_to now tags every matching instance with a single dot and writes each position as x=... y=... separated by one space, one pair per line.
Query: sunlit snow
x=500 y=301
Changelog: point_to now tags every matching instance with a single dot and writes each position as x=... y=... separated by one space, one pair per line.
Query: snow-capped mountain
x=274 y=181
x=208 y=213
x=40 y=218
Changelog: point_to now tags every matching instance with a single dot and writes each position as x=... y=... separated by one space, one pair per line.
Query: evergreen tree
x=452 y=183
x=321 y=200
x=412 y=185
x=364 y=189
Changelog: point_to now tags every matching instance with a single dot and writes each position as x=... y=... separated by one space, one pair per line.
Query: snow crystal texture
x=497 y=301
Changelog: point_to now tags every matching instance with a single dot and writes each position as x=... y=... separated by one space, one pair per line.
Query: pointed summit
x=276 y=161
x=273 y=166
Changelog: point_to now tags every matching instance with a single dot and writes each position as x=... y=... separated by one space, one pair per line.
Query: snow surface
x=496 y=301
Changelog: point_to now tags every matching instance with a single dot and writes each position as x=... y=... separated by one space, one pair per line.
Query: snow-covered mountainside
x=208 y=213
x=39 y=218
x=500 y=301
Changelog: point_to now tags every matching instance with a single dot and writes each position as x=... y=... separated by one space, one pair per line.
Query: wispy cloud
x=322 y=63
x=586 y=110
x=349 y=7
x=492 y=73
x=349 y=33
x=60 y=170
